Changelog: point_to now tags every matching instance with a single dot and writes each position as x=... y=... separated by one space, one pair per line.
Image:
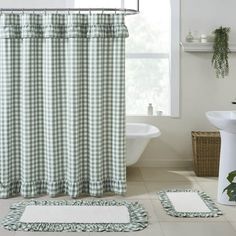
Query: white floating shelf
x=203 y=47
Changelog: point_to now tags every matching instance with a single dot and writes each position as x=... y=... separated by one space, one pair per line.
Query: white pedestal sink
x=225 y=121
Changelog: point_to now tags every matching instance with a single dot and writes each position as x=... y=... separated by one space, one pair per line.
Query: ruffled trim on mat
x=54 y=188
x=138 y=217
x=166 y=203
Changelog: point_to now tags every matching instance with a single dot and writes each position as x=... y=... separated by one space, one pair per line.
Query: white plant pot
x=227 y=164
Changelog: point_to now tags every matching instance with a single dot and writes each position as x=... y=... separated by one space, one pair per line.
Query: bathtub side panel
x=135 y=148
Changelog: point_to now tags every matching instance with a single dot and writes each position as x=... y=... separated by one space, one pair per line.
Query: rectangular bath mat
x=75 y=216
x=188 y=203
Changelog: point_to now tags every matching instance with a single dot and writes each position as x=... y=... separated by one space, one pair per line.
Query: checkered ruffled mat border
x=138 y=217
x=170 y=209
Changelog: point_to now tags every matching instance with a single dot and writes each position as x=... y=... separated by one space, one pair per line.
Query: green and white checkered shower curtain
x=62 y=104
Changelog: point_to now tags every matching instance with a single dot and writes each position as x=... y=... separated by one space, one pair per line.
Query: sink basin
x=223 y=120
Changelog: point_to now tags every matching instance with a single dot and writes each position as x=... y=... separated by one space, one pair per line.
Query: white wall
x=200 y=91
x=31 y=3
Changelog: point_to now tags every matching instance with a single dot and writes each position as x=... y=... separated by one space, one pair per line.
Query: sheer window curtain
x=62 y=104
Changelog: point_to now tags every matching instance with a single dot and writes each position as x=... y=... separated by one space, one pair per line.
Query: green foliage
x=221 y=51
x=231 y=188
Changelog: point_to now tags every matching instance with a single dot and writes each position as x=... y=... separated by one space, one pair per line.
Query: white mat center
x=187 y=202
x=75 y=214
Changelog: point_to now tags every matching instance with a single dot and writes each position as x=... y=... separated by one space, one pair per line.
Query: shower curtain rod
x=120 y=10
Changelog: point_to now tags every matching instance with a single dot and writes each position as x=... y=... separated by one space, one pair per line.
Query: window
x=152 y=64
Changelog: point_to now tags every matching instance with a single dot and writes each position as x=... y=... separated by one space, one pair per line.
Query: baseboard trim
x=164 y=163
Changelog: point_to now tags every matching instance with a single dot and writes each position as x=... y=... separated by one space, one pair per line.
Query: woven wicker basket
x=206 y=153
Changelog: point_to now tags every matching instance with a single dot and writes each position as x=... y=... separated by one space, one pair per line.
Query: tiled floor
x=143 y=183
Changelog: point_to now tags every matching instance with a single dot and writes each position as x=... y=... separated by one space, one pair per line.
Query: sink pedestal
x=227 y=164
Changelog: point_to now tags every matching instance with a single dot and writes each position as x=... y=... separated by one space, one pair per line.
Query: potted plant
x=221 y=51
x=231 y=188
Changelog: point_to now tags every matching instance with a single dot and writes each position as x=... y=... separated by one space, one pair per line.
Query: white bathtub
x=138 y=135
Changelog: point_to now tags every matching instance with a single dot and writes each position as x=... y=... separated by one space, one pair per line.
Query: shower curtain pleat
x=31 y=117
x=9 y=116
x=62 y=108
x=95 y=108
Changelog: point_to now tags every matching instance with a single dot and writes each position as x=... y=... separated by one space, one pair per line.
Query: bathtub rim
x=153 y=133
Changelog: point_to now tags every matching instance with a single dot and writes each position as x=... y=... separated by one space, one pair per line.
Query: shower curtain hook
x=122 y=11
x=45 y=11
x=89 y=11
